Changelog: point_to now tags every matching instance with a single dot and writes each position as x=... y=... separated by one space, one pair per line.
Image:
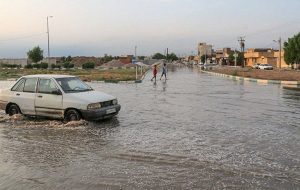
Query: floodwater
x=194 y=131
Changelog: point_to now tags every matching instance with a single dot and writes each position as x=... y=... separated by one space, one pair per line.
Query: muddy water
x=194 y=131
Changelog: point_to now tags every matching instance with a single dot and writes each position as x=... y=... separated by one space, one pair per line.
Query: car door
x=48 y=101
x=24 y=95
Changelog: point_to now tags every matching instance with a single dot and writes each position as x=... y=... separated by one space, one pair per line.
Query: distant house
x=261 y=55
x=126 y=59
x=222 y=55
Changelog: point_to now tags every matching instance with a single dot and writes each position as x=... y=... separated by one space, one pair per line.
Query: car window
x=72 y=85
x=30 y=84
x=46 y=86
x=19 y=86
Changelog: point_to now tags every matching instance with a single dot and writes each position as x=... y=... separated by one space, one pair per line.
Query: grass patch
x=86 y=75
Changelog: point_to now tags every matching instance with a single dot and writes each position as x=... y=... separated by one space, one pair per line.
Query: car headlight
x=94 y=106
x=115 y=102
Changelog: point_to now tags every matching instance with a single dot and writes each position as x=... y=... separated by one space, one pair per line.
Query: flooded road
x=194 y=131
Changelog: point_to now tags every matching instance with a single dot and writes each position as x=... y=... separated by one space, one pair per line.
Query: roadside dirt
x=284 y=75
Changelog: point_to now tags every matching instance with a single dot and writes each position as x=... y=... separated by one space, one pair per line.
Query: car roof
x=48 y=76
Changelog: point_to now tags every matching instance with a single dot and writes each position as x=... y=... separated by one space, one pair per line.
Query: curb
x=116 y=82
x=260 y=81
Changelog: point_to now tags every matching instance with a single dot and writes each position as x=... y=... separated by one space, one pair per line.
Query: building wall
x=25 y=61
x=126 y=59
x=269 y=56
x=22 y=62
x=204 y=48
x=51 y=61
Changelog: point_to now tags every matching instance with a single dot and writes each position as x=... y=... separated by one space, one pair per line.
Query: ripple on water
x=23 y=121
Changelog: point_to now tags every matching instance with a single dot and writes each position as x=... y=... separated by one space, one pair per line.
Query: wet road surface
x=194 y=131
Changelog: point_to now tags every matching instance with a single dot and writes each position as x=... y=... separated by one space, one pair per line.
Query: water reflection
x=164 y=85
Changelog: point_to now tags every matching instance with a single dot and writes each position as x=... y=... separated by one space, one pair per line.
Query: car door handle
x=40 y=96
x=18 y=94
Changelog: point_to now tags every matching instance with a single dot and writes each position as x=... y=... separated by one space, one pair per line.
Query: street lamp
x=279 y=42
x=48 y=38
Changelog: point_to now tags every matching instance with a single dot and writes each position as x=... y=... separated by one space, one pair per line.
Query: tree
x=231 y=58
x=292 y=50
x=63 y=59
x=88 y=65
x=172 y=57
x=202 y=58
x=239 y=59
x=107 y=58
x=158 y=56
x=36 y=54
x=69 y=58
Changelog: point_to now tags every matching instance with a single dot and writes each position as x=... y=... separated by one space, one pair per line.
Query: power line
x=263 y=31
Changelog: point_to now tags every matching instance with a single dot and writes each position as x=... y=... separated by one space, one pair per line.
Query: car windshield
x=73 y=85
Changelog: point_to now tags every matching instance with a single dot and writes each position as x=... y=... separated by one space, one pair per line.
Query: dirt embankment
x=284 y=75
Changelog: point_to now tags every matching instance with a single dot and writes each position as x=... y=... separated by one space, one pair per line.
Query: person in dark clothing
x=154 y=73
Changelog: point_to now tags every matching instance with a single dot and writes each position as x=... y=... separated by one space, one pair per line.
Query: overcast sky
x=96 y=27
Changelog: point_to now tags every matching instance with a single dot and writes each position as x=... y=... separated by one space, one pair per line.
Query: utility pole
x=279 y=41
x=135 y=48
x=48 y=39
x=241 y=40
x=280 y=44
x=235 y=57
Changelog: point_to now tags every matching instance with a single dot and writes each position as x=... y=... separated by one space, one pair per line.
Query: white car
x=265 y=67
x=57 y=96
x=256 y=66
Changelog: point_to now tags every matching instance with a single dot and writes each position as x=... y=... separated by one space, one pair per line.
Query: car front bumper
x=102 y=113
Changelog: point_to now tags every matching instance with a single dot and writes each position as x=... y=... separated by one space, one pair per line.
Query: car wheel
x=13 y=110
x=72 y=115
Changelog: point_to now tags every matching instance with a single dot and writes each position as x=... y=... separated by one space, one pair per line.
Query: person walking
x=154 y=73
x=164 y=72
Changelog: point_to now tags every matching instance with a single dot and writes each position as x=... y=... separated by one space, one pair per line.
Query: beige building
x=269 y=56
x=205 y=49
x=222 y=55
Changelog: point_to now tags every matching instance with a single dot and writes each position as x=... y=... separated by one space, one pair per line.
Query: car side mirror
x=57 y=92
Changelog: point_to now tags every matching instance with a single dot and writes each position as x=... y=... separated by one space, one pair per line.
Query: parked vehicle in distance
x=265 y=67
x=57 y=96
x=256 y=65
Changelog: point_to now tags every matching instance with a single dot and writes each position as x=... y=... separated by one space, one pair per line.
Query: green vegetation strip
x=86 y=75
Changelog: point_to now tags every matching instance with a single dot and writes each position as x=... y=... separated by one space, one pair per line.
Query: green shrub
x=28 y=66
x=11 y=65
x=88 y=65
x=44 y=65
x=36 y=65
x=68 y=65
x=53 y=66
